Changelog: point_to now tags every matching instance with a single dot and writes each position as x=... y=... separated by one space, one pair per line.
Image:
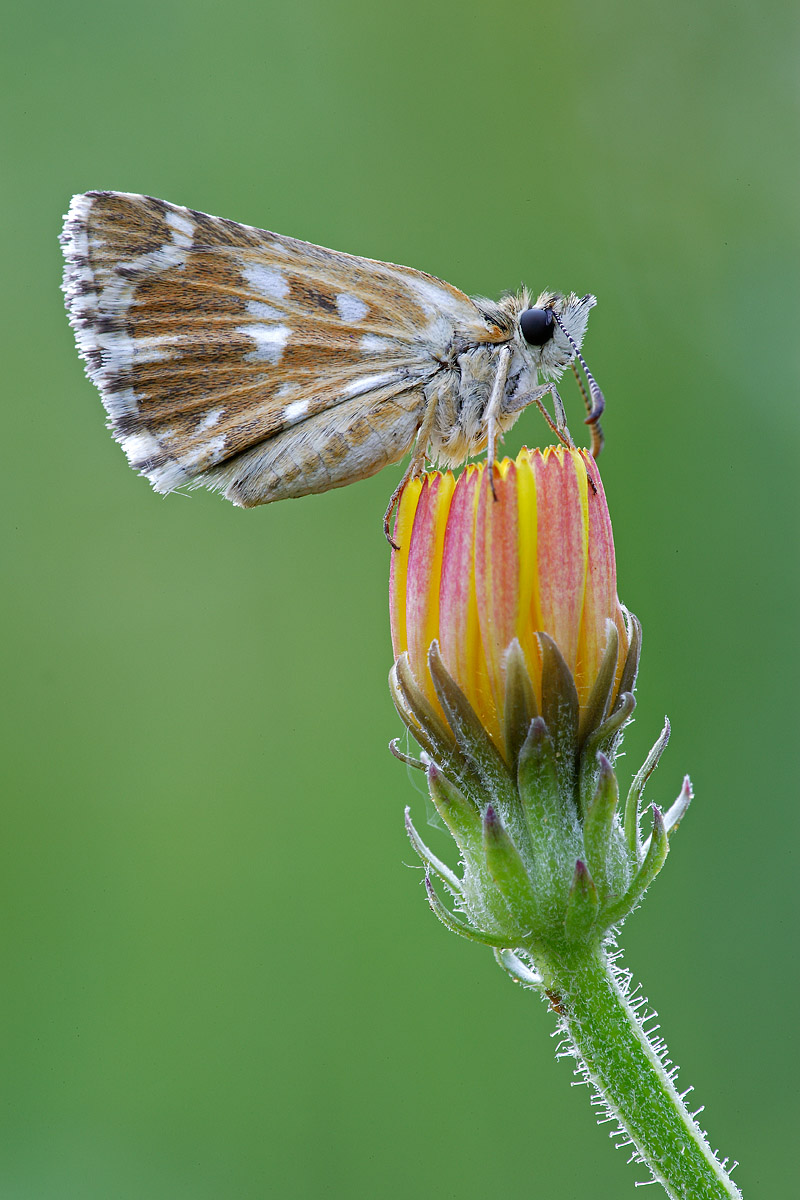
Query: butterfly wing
x=253 y=363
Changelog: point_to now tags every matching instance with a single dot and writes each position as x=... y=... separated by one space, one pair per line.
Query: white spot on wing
x=182 y=229
x=167 y=478
x=350 y=307
x=371 y=344
x=140 y=446
x=266 y=281
x=140 y=449
x=367 y=383
x=269 y=339
x=434 y=299
x=257 y=309
x=150 y=349
x=210 y=450
x=125 y=404
x=209 y=420
x=293 y=412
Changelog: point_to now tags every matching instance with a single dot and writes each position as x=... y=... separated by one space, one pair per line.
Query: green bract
x=548 y=855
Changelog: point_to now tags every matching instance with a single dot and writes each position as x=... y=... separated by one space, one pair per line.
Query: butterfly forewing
x=251 y=362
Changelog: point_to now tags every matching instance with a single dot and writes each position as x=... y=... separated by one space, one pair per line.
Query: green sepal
x=599 y=700
x=417 y=712
x=677 y=811
x=457 y=811
x=582 y=904
x=516 y=968
x=606 y=733
x=428 y=728
x=559 y=707
x=598 y=826
x=408 y=759
x=630 y=670
x=474 y=743
x=553 y=829
x=460 y=927
x=520 y=702
x=508 y=870
x=657 y=850
x=549 y=810
x=431 y=861
x=605 y=738
x=602 y=741
x=637 y=790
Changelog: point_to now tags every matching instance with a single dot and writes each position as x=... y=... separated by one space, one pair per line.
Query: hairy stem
x=627 y=1072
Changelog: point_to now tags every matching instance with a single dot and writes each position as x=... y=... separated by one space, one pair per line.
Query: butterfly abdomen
x=332 y=449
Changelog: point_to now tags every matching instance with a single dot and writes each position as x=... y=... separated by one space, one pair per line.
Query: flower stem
x=626 y=1071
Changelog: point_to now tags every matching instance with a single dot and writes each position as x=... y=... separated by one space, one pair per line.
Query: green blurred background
x=221 y=978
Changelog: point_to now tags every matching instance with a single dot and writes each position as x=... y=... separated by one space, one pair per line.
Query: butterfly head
x=551 y=330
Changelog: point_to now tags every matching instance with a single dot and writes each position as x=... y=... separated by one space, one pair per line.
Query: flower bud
x=482 y=567
x=514 y=670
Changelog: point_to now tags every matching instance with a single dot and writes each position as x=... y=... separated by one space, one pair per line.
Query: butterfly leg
x=592 y=415
x=559 y=425
x=493 y=408
x=414 y=468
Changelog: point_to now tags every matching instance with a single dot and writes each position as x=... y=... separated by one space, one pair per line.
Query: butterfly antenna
x=598 y=402
x=598 y=437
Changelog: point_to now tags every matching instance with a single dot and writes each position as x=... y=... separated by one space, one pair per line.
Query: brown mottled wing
x=253 y=363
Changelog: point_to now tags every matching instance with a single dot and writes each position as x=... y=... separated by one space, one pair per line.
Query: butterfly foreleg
x=592 y=417
x=494 y=407
x=416 y=465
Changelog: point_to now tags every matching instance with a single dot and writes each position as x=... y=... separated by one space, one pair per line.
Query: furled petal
x=558 y=598
x=601 y=590
x=460 y=637
x=423 y=574
x=496 y=570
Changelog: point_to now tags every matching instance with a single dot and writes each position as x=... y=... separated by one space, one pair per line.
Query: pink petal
x=497 y=571
x=458 y=627
x=601 y=587
x=424 y=573
x=561 y=489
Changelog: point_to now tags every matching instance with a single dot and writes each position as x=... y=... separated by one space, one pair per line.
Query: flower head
x=480 y=568
x=514 y=670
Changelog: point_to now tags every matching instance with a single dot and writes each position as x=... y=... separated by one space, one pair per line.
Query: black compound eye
x=538 y=325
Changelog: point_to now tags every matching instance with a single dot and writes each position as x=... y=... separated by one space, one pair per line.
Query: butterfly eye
x=537 y=325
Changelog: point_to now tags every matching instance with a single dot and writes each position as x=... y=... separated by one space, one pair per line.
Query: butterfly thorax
x=461 y=394
x=462 y=389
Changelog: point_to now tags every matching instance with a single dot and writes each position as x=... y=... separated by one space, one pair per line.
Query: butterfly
x=265 y=367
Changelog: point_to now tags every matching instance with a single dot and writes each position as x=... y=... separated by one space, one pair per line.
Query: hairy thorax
x=461 y=394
